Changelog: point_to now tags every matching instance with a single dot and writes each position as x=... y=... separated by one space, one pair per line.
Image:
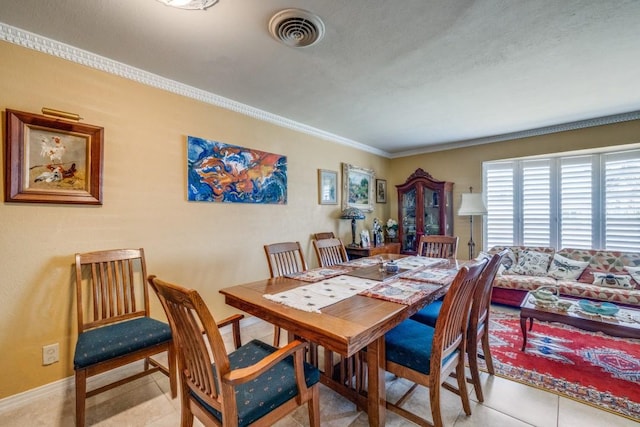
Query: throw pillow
x=635 y=273
x=508 y=261
x=587 y=275
x=612 y=280
x=532 y=263
x=566 y=268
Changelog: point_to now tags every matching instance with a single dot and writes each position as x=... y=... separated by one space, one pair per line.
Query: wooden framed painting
x=52 y=160
x=327 y=187
x=357 y=187
x=381 y=191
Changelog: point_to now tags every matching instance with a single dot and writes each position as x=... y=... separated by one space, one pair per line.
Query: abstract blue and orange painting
x=219 y=172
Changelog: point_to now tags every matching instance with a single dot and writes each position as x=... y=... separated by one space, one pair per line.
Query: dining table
x=347 y=308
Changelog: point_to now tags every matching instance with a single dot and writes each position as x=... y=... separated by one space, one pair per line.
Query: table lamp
x=352 y=214
x=472 y=205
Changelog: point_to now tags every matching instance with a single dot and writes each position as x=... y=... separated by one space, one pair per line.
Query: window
x=587 y=201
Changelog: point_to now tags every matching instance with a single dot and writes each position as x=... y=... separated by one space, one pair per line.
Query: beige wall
x=206 y=246
x=464 y=166
x=201 y=245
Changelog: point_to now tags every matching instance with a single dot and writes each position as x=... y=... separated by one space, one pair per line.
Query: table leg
x=376 y=401
x=523 y=326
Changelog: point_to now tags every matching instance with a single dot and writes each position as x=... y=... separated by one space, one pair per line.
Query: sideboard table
x=358 y=252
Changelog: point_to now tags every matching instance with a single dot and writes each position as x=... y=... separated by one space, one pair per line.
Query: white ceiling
x=402 y=76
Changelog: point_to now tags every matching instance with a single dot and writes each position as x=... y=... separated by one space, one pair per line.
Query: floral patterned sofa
x=600 y=275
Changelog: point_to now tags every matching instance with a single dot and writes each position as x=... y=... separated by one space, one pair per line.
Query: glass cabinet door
x=431 y=211
x=408 y=218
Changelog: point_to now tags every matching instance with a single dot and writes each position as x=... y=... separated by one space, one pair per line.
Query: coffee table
x=626 y=323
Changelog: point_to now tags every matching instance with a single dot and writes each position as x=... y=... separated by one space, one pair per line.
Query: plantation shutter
x=536 y=201
x=622 y=201
x=499 y=193
x=576 y=205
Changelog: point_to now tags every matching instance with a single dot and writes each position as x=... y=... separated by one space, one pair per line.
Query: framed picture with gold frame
x=327 y=187
x=381 y=191
x=357 y=187
x=52 y=160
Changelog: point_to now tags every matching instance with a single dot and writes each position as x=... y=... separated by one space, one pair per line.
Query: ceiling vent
x=296 y=27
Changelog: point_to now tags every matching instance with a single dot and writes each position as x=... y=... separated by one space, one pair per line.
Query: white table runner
x=318 y=295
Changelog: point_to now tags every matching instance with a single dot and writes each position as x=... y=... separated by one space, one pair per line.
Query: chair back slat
x=285 y=258
x=110 y=287
x=452 y=323
x=198 y=337
x=437 y=246
x=324 y=235
x=330 y=252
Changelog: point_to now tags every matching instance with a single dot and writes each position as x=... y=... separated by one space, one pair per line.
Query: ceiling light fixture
x=190 y=4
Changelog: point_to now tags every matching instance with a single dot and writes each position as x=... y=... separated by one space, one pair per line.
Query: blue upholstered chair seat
x=410 y=344
x=268 y=391
x=108 y=342
x=429 y=314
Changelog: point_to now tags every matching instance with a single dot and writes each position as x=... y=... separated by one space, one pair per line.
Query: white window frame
x=598 y=197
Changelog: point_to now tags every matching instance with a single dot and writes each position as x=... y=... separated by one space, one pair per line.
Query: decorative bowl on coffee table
x=603 y=308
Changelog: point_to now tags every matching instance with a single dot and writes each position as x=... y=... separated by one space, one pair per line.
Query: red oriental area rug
x=592 y=368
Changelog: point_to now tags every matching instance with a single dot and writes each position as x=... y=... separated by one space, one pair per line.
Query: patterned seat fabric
x=104 y=343
x=599 y=261
x=259 y=397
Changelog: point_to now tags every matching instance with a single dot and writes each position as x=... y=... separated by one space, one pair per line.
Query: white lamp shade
x=472 y=205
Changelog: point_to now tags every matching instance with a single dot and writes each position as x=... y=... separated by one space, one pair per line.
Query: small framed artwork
x=52 y=160
x=327 y=187
x=357 y=188
x=381 y=191
x=365 y=239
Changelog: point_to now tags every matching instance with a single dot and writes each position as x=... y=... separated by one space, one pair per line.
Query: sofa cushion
x=599 y=293
x=532 y=263
x=566 y=268
x=613 y=280
x=524 y=283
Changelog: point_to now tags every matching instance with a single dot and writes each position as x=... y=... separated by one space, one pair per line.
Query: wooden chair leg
x=313 y=407
x=173 y=370
x=434 y=396
x=462 y=386
x=488 y=359
x=276 y=336
x=475 y=372
x=81 y=395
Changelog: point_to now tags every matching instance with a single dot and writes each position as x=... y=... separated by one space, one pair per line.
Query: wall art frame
x=218 y=172
x=327 y=187
x=52 y=160
x=381 y=191
x=357 y=187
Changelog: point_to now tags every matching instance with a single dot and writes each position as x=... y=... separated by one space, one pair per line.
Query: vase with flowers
x=392 y=228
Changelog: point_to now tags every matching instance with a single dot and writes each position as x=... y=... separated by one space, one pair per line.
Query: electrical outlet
x=50 y=354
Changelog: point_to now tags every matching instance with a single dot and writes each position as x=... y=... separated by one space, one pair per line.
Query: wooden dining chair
x=330 y=252
x=479 y=323
x=437 y=246
x=324 y=235
x=284 y=258
x=114 y=323
x=478 y=332
x=426 y=355
x=255 y=385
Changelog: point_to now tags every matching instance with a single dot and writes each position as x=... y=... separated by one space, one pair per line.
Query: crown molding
x=54 y=48
x=581 y=124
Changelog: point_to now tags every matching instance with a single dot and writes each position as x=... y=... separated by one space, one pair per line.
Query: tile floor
x=146 y=402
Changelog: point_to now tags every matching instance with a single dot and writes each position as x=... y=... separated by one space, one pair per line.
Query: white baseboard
x=66 y=386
